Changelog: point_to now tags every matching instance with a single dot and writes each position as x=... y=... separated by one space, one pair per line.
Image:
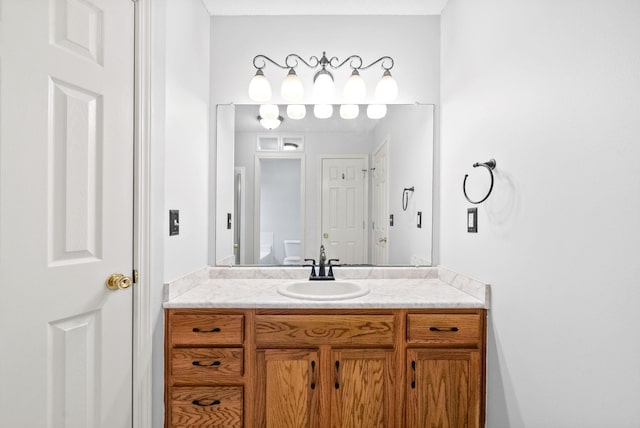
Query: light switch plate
x=174 y=222
x=472 y=220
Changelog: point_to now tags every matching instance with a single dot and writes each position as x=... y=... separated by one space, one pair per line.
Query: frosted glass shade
x=269 y=111
x=296 y=111
x=323 y=111
x=259 y=88
x=387 y=88
x=355 y=89
x=292 y=89
x=349 y=111
x=376 y=111
x=270 y=124
x=323 y=87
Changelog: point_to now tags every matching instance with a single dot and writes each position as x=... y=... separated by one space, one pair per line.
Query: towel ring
x=490 y=165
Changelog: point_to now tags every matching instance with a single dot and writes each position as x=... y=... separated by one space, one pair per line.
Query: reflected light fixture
x=349 y=111
x=267 y=119
x=354 y=91
x=376 y=111
x=296 y=111
x=270 y=124
x=323 y=111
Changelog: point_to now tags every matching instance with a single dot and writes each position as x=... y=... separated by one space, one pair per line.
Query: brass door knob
x=118 y=281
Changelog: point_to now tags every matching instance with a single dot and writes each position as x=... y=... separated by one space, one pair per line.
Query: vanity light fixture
x=270 y=123
x=354 y=91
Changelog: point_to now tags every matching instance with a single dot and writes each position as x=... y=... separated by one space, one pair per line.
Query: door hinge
x=134 y=274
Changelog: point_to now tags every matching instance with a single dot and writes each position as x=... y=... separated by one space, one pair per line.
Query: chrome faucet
x=323 y=274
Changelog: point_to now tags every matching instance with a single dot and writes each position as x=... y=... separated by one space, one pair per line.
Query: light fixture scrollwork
x=354 y=91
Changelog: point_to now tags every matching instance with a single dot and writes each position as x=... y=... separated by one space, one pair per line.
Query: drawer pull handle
x=337 y=383
x=200 y=364
x=413 y=375
x=441 y=330
x=213 y=330
x=313 y=375
x=203 y=404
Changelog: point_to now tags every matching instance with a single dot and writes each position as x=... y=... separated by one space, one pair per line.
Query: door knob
x=325 y=235
x=118 y=281
x=382 y=240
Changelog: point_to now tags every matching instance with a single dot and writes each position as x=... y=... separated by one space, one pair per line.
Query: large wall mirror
x=363 y=188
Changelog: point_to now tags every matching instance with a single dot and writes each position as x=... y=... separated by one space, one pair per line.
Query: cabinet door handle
x=337 y=383
x=203 y=404
x=201 y=364
x=213 y=330
x=443 y=330
x=313 y=375
x=413 y=375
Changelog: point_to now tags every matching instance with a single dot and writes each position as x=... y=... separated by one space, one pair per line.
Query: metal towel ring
x=490 y=165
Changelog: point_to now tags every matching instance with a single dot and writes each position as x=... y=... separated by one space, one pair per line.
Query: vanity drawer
x=212 y=407
x=444 y=329
x=206 y=365
x=313 y=330
x=206 y=329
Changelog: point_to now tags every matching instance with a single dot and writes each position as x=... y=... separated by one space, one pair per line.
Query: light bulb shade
x=269 y=111
x=387 y=88
x=349 y=111
x=296 y=111
x=376 y=111
x=323 y=111
x=259 y=88
x=271 y=123
x=292 y=89
x=355 y=89
x=323 y=86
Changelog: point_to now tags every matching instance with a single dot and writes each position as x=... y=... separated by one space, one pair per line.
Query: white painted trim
x=142 y=325
x=241 y=170
x=365 y=202
x=256 y=200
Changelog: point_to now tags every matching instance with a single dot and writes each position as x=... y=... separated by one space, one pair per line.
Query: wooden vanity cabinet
x=325 y=368
x=446 y=369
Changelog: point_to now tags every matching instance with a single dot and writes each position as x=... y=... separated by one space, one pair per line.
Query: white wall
x=179 y=150
x=550 y=89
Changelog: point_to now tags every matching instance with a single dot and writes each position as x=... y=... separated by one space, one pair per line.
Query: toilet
x=291 y=252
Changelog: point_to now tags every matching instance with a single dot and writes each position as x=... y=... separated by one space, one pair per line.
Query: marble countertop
x=389 y=288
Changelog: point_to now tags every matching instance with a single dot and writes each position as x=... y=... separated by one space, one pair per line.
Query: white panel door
x=380 y=205
x=66 y=212
x=343 y=209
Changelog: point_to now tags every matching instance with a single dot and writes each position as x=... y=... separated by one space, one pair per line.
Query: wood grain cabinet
x=325 y=368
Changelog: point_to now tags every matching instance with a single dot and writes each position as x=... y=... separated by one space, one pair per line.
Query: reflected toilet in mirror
x=291 y=252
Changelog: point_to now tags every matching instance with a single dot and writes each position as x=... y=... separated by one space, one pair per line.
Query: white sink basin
x=323 y=290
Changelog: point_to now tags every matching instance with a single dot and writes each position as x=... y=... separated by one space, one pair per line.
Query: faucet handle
x=330 y=274
x=313 y=267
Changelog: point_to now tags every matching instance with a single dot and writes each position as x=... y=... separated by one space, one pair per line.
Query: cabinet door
x=287 y=384
x=363 y=393
x=443 y=388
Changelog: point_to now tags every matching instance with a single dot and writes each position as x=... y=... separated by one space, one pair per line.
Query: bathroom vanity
x=410 y=353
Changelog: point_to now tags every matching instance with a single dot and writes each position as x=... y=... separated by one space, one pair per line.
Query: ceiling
x=325 y=7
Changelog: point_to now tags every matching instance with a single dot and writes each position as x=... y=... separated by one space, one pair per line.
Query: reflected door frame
x=256 y=198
